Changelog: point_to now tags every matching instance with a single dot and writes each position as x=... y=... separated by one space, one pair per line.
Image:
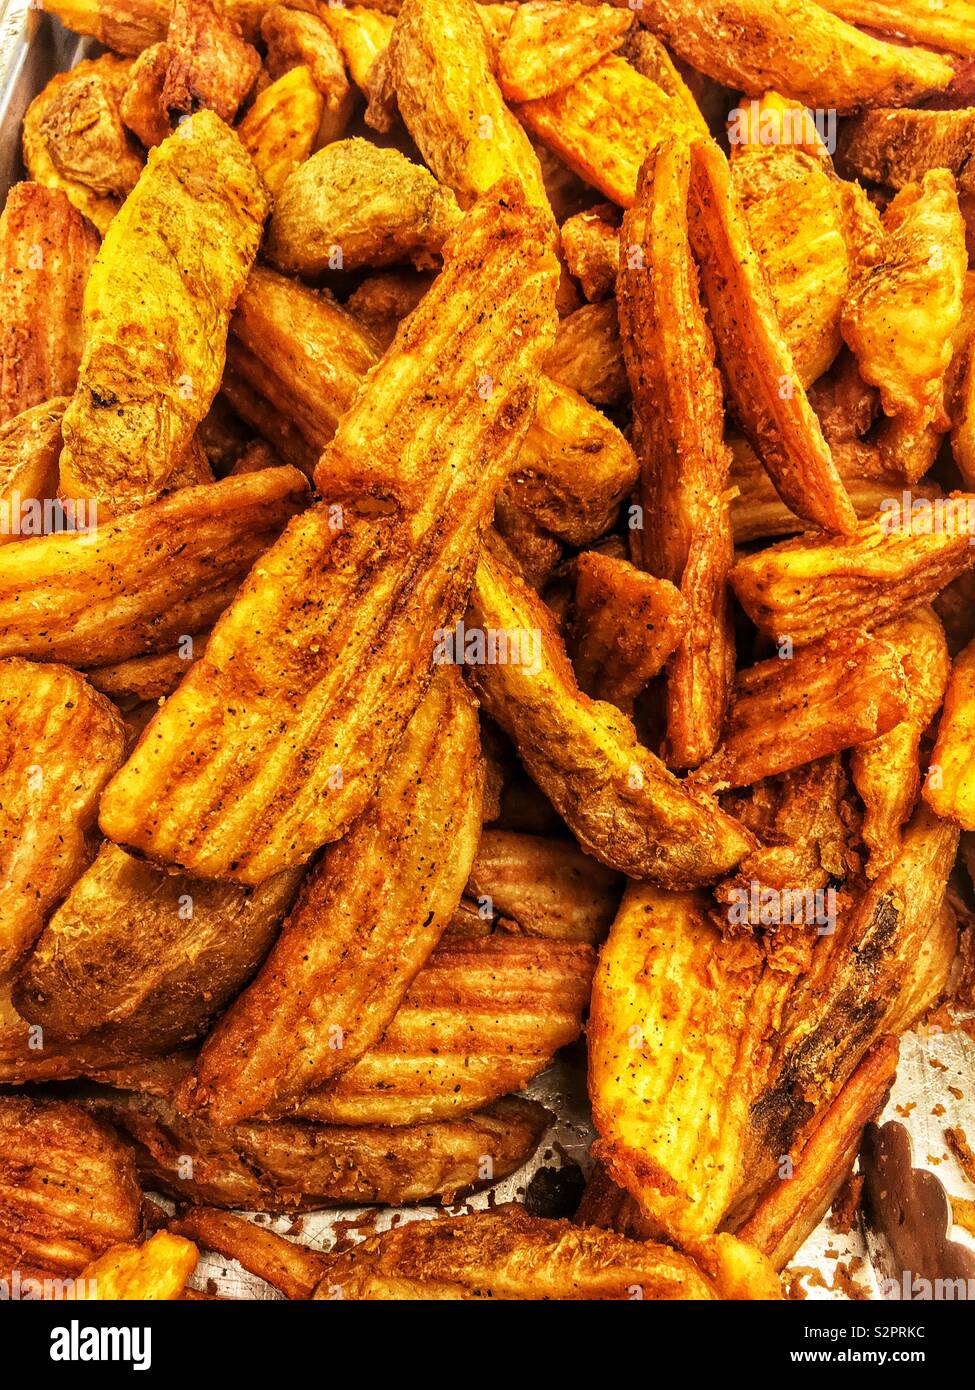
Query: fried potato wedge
x=790 y=1211
x=758 y=366
x=27 y=1055
x=302 y=357
x=591 y=245
x=588 y=355
x=371 y=913
x=605 y=124
x=362 y=34
x=145 y=959
x=290 y=1267
x=619 y=800
x=129 y=26
x=279 y=129
x=750 y=45
x=549 y=45
x=441 y=66
x=895 y=561
x=145 y=386
x=546 y=887
x=30 y=446
x=950 y=24
x=296 y=39
x=141 y=103
x=674 y=1025
x=903 y=310
x=507 y=1254
x=210 y=65
x=833 y=694
x=625 y=626
x=300 y=686
x=886 y=770
x=899 y=147
x=679 y=410
x=482 y=1018
x=143 y=582
x=283 y=1165
x=353 y=205
x=46 y=252
x=154 y=1271
x=61 y=743
x=68 y=1189
x=949 y=788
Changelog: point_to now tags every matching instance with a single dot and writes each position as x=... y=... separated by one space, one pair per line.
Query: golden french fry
x=950 y=24
x=150 y=678
x=279 y=129
x=30 y=445
x=766 y=393
x=141 y=103
x=283 y=1165
x=507 y=1254
x=46 y=252
x=210 y=65
x=333 y=683
x=548 y=45
x=292 y=1268
x=362 y=34
x=129 y=26
x=151 y=1272
x=354 y=204
x=751 y=46
x=100 y=594
x=547 y=887
x=296 y=39
x=145 y=385
x=482 y=1018
x=805 y=588
x=441 y=67
x=62 y=742
x=679 y=408
x=949 y=788
x=371 y=913
x=832 y=694
x=68 y=1189
x=626 y=624
x=606 y=123
x=584 y=754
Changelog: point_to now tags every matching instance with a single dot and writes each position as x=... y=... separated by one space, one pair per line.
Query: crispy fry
x=141 y=103
x=156 y=1270
x=146 y=384
x=142 y=583
x=626 y=624
x=303 y=359
x=739 y=1270
x=289 y=1266
x=899 y=147
x=950 y=24
x=679 y=411
x=949 y=789
x=330 y=682
x=549 y=45
x=284 y=1165
x=903 y=309
x=507 y=1254
x=144 y=959
x=606 y=123
x=68 y=1189
x=367 y=920
x=354 y=205
x=362 y=34
x=549 y=888
x=751 y=46
x=61 y=743
x=279 y=130
x=46 y=252
x=588 y=355
x=295 y=39
x=30 y=445
x=442 y=71
x=808 y=587
x=766 y=393
x=831 y=695
x=591 y=244
x=789 y=1211
x=149 y=677
x=886 y=770
x=483 y=1016
x=210 y=65
x=584 y=754
x=129 y=26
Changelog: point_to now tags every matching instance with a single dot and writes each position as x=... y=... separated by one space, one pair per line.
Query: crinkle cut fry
x=312 y=674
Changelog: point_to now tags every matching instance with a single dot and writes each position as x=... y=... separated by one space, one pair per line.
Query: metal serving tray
x=33 y=47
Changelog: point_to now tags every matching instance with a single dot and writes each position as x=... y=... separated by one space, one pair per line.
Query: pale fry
x=279 y=129
x=61 y=743
x=550 y=44
x=46 y=252
x=145 y=385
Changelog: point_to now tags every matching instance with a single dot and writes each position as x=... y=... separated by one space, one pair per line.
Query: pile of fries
x=488 y=519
